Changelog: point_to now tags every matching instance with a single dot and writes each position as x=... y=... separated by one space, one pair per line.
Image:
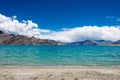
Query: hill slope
x=11 y=39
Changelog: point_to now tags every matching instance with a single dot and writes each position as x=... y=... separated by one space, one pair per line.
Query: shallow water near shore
x=59 y=55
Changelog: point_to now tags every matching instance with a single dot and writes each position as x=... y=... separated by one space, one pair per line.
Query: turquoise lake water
x=60 y=55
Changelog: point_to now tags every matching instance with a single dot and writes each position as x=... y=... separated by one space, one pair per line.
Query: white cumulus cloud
x=111 y=33
x=12 y=25
x=31 y=29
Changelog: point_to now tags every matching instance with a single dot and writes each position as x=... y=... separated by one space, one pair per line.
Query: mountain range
x=11 y=39
x=96 y=43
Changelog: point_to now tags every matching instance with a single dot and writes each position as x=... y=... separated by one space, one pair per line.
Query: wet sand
x=59 y=73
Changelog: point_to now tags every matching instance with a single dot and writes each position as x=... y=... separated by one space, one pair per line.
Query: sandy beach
x=59 y=73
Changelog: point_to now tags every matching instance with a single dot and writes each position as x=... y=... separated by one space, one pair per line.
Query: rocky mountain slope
x=11 y=39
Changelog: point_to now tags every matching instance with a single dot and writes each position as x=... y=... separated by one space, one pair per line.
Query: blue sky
x=62 y=20
x=57 y=14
